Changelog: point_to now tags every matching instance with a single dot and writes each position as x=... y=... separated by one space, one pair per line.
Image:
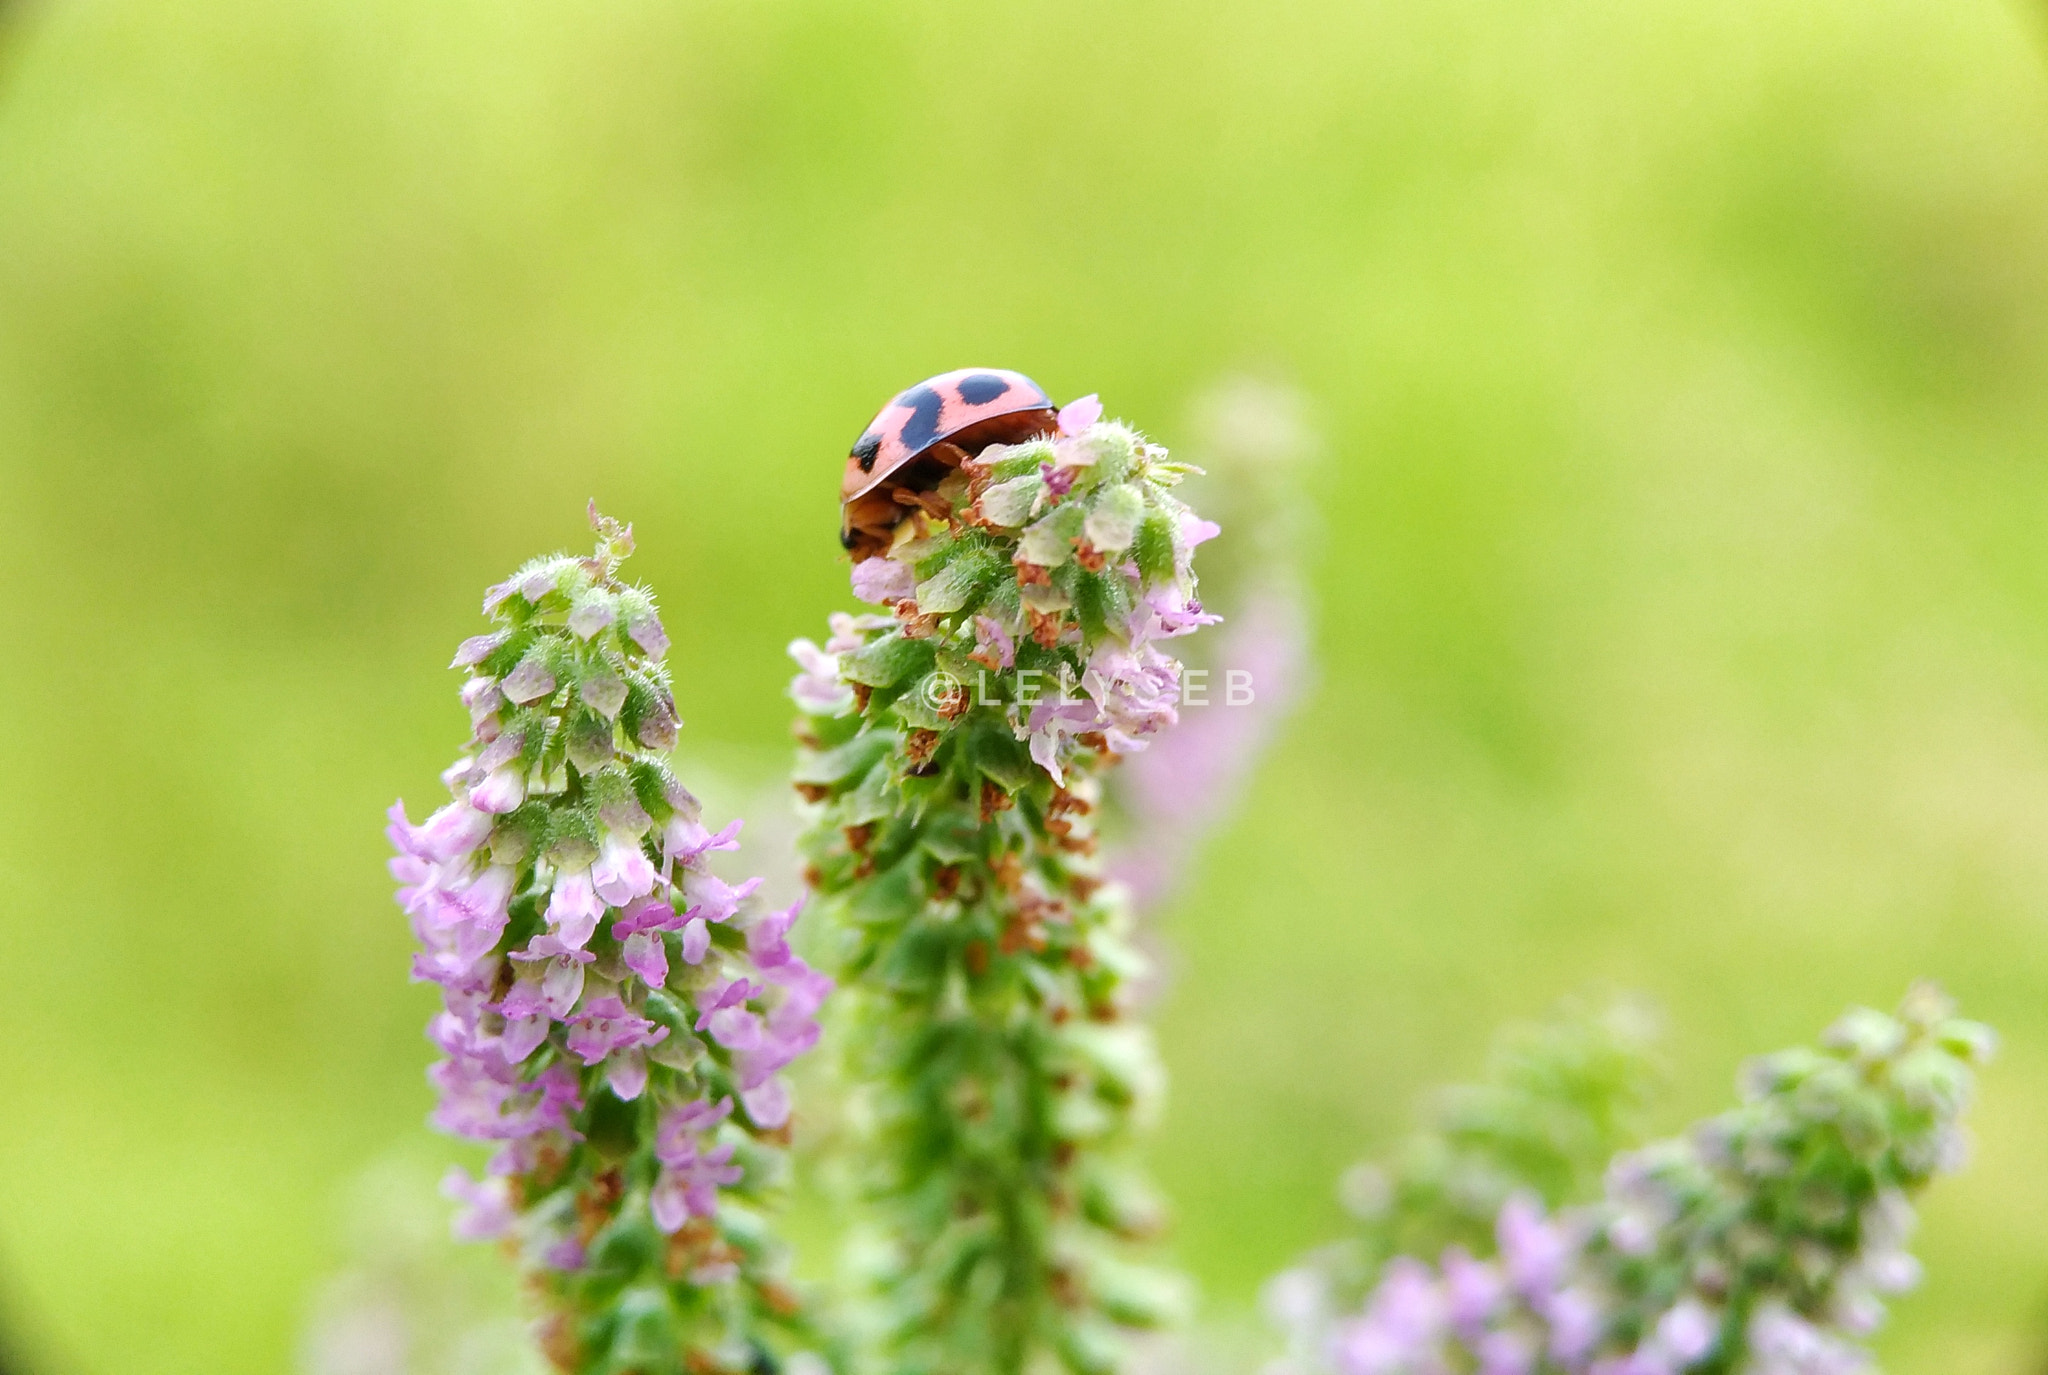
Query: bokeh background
x=1681 y=368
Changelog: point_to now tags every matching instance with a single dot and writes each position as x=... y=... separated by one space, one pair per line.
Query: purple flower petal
x=603 y=693
x=645 y=631
x=626 y=1072
x=591 y=615
x=529 y=682
x=646 y=956
x=478 y=648
x=769 y=1104
x=696 y=940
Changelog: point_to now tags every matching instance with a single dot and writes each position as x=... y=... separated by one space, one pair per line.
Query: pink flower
x=696 y=940
x=465 y=916
x=574 y=908
x=527 y=1013
x=849 y=632
x=684 y=839
x=691 y=1175
x=639 y=931
x=502 y=789
x=691 y=1189
x=881 y=581
x=645 y=631
x=1473 y=1288
x=673 y=1138
x=1077 y=416
x=453 y=832
x=768 y=938
x=486 y=1212
x=626 y=1072
x=991 y=641
x=561 y=982
x=523 y=1036
x=477 y=648
x=768 y=1104
x=713 y=898
x=1195 y=531
x=622 y=872
x=607 y=1025
x=485 y=701
x=1534 y=1251
x=817 y=690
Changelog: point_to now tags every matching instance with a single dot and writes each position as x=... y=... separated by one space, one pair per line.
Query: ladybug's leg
x=931 y=503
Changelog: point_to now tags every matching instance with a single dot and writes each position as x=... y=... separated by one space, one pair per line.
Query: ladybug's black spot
x=921 y=427
x=982 y=388
x=870 y=445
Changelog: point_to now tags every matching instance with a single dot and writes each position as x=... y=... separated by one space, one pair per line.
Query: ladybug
x=927 y=431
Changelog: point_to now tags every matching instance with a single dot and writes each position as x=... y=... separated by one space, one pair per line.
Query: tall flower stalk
x=951 y=762
x=615 y=1016
x=1764 y=1241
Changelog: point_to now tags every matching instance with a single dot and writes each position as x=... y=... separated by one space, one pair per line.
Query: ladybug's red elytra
x=925 y=432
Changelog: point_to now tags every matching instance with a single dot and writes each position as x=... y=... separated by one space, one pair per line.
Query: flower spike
x=953 y=748
x=614 y=1017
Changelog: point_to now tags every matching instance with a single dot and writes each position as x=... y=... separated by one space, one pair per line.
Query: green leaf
x=590 y=740
x=507 y=655
x=1101 y=602
x=961 y=584
x=1138 y=1295
x=1015 y=460
x=895 y=895
x=850 y=760
x=870 y=800
x=645 y=1337
x=1154 y=548
x=999 y=755
x=1013 y=502
x=892 y=659
x=1113 y=523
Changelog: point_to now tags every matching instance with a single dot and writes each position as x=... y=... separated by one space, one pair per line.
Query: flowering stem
x=951 y=761
x=613 y=1014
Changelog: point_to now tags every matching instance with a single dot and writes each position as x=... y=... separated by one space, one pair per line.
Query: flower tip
x=1077 y=416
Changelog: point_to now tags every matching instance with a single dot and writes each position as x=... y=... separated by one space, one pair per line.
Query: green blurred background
x=1683 y=587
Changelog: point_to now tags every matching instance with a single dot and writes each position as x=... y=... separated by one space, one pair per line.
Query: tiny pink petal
x=646 y=956
x=646 y=632
x=477 y=648
x=696 y=940
x=880 y=581
x=502 y=790
x=626 y=1072
x=1077 y=416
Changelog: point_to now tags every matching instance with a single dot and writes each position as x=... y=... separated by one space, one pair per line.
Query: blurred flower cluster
x=1256 y=447
x=1764 y=1240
